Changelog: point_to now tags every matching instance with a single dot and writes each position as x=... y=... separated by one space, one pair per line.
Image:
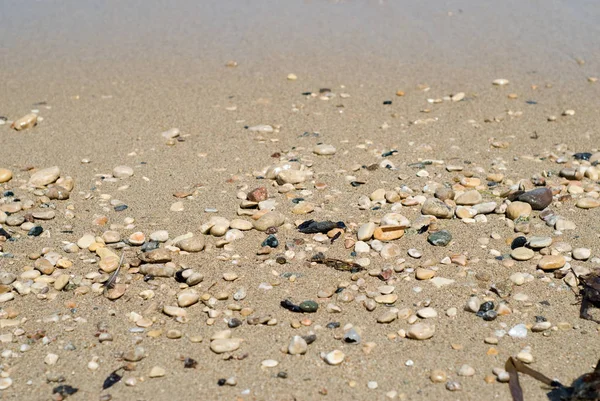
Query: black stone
x=120 y=208
x=484 y=308
x=490 y=315
x=179 y=276
x=271 y=241
x=234 y=322
x=35 y=231
x=8 y=193
x=582 y=156
x=333 y=325
x=540 y=319
x=389 y=153
x=4 y=233
x=64 y=390
x=221 y=382
x=314 y=227
x=297 y=200
x=356 y=183
x=518 y=242
x=310 y=338
x=387 y=102
x=189 y=363
x=112 y=379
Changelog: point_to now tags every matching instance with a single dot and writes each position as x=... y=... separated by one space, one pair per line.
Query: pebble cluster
x=387 y=263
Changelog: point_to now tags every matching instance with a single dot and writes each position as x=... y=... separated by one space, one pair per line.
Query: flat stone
x=466 y=370
x=424 y=274
x=387 y=317
x=220 y=346
x=269 y=219
x=44 y=176
x=174 y=311
x=293 y=176
x=587 y=203
x=522 y=253
x=485 y=207
x=469 y=198
x=158 y=270
x=303 y=208
x=551 y=262
x=170 y=133
x=427 y=313
x=242 y=225
x=187 y=298
x=386 y=299
x=539 y=242
x=389 y=251
x=421 y=331
x=437 y=208
x=518 y=209
x=122 y=172
x=581 y=253
x=388 y=233
x=324 y=150
x=193 y=244
x=538 y=198
x=157 y=371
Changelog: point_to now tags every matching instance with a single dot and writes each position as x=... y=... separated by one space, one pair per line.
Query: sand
x=117 y=75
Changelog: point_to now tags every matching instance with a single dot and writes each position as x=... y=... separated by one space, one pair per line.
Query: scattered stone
x=334 y=357
x=440 y=238
x=421 y=331
x=44 y=177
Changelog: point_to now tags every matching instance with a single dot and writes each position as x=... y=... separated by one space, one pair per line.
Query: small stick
x=110 y=283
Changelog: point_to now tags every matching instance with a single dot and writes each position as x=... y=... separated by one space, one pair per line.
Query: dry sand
x=114 y=76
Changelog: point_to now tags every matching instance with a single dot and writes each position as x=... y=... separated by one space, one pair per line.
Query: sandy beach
x=152 y=125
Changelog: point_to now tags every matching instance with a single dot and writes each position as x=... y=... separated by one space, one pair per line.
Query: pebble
x=388 y=233
x=334 y=357
x=518 y=209
x=51 y=359
x=297 y=346
x=466 y=370
x=43 y=177
x=193 y=244
x=427 y=313
x=518 y=331
x=522 y=253
x=122 y=172
x=5 y=382
x=187 y=298
x=324 y=150
x=159 y=236
x=421 y=331
x=437 y=376
x=587 y=203
x=25 y=122
x=581 y=253
x=469 y=198
x=5 y=175
x=539 y=242
x=222 y=345
x=437 y=208
x=500 y=82
x=365 y=232
x=551 y=262
x=269 y=363
x=440 y=238
x=538 y=198
x=157 y=371
x=270 y=219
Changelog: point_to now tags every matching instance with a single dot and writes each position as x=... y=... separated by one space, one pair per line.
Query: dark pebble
x=282 y=375
x=540 y=319
x=149 y=246
x=35 y=231
x=490 y=315
x=120 y=208
x=538 y=198
x=314 y=227
x=271 y=241
x=233 y=323
x=4 y=233
x=221 y=382
x=389 y=153
x=440 y=238
x=485 y=307
x=64 y=390
x=518 y=242
x=356 y=183
x=8 y=194
x=179 y=276
x=297 y=200
x=387 y=102
x=281 y=260
x=189 y=363
x=333 y=325
x=582 y=156
x=309 y=306
x=310 y=338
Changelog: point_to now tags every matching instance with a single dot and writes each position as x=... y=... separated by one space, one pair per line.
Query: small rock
x=122 y=172
x=538 y=198
x=466 y=370
x=219 y=346
x=437 y=208
x=421 y=331
x=270 y=219
x=518 y=209
x=298 y=346
x=551 y=262
x=5 y=175
x=522 y=253
x=581 y=253
x=193 y=244
x=25 y=122
x=587 y=203
x=334 y=357
x=157 y=371
x=45 y=176
x=440 y=238
x=324 y=150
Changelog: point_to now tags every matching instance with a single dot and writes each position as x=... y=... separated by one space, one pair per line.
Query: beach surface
x=382 y=106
